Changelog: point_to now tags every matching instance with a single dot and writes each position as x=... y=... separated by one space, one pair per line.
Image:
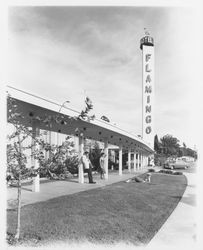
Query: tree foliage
x=85 y=113
x=61 y=159
x=157 y=145
x=95 y=153
x=169 y=146
x=16 y=157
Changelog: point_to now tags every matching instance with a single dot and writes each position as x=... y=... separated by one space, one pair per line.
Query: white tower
x=147 y=47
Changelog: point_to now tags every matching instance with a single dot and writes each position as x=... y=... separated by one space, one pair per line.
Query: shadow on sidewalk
x=27 y=189
x=189 y=200
x=192 y=186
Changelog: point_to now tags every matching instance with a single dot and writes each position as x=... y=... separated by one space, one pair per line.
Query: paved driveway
x=58 y=188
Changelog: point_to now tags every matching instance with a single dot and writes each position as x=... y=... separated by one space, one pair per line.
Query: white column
x=141 y=161
x=144 y=161
x=113 y=158
x=129 y=160
x=135 y=161
x=35 y=163
x=138 y=161
x=48 y=140
x=106 y=159
x=120 y=159
x=76 y=143
x=81 y=150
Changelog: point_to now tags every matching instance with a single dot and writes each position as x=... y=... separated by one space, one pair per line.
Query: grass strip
x=122 y=212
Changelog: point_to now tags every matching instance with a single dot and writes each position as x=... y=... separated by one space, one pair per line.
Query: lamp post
x=62 y=105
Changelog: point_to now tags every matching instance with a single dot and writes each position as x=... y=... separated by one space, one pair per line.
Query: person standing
x=87 y=166
x=101 y=163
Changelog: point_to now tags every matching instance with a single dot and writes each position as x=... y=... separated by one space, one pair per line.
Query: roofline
x=106 y=125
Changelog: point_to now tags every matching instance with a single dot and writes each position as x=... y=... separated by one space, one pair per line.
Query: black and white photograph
x=102 y=144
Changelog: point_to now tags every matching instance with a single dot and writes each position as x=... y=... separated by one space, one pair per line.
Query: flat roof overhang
x=99 y=130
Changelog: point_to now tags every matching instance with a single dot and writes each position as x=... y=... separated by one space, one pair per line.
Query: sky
x=65 y=53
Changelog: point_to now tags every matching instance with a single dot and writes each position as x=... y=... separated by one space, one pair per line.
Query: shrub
x=166 y=171
x=151 y=170
x=177 y=173
x=71 y=164
x=43 y=172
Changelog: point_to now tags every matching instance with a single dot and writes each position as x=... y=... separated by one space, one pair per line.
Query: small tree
x=156 y=144
x=16 y=157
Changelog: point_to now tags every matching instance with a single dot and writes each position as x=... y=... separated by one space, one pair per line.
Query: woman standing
x=101 y=163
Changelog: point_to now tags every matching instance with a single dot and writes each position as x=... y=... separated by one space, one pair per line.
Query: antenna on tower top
x=146 y=32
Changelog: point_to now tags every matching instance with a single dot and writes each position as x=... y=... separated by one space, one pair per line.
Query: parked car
x=168 y=165
x=180 y=165
x=176 y=165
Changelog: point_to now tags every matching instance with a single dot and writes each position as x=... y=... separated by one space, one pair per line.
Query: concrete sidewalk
x=53 y=189
x=180 y=228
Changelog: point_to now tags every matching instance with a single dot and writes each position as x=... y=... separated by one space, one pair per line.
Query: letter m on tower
x=148 y=89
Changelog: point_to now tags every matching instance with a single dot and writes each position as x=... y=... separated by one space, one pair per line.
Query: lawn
x=122 y=212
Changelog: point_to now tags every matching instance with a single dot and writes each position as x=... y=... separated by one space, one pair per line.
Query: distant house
x=186 y=159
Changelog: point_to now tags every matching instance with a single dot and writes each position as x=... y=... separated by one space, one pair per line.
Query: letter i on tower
x=147 y=47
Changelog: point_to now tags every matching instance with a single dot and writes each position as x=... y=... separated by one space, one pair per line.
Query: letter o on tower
x=148 y=130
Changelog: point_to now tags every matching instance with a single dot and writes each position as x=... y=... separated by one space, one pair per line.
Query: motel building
x=110 y=137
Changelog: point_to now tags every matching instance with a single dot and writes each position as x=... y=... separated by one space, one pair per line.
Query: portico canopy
x=31 y=106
